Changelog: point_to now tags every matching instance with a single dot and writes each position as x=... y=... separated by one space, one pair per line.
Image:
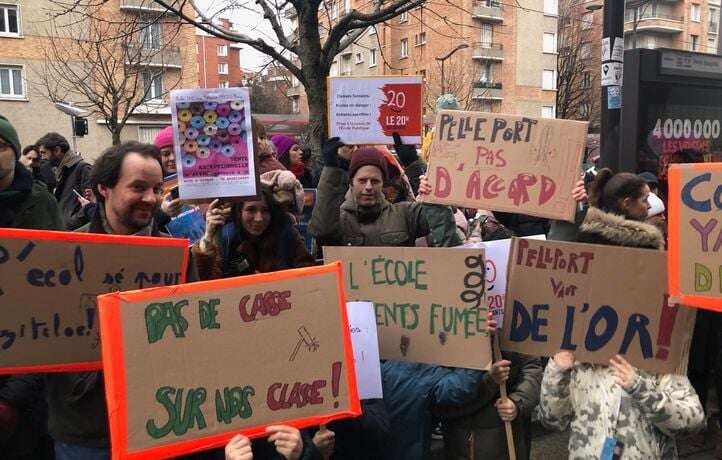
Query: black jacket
x=74 y=176
x=363 y=437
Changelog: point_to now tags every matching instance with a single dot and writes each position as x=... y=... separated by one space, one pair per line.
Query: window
x=404 y=48
x=223 y=84
x=549 y=80
x=586 y=80
x=487 y=35
x=359 y=58
x=11 y=82
x=152 y=85
x=551 y=7
x=486 y=106
x=404 y=17
x=696 y=12
x=550 y=42
x=333 y=10
x=9 y=24
x=694 y=46
x=346 y=64
x=222 y=50
x=587 y=21
x=372 y=57
x=150 y=35
x=585 y=51
x=547 y=111
x=651 y=42
x=584 y=110
x=223 y=68
x=347 y=6
x=421 y=39
x=713 y=20
x=485 y=75
x=146 y=134
x=712 y=45
x=295 y=107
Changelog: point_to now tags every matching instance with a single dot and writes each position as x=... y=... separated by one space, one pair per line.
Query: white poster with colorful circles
x=213 y=140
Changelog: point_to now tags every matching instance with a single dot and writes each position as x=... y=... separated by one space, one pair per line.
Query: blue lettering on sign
x=697 y=205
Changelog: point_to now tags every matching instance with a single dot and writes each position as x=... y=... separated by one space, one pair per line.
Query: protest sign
x=213 y=143
x=368 y=110
x=595 y=301
x=48 y=287
x=695 y=234
x=496 y=255
x=365 y=342
x=429 y=302
x=506 y=163
x=186 y=368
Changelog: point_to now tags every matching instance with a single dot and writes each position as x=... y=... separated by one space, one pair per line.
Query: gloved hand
x=407 y=153
x=329 y=150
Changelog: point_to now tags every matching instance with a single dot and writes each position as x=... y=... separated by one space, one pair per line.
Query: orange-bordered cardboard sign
x=188 y=367
x=507 y=163
x=695 y=234
x=429 y=302
x=48 y=287
x=595 y=301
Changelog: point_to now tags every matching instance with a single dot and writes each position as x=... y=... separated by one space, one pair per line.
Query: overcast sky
x=247 y=19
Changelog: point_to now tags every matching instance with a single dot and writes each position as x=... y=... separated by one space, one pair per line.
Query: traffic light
x=80 y=126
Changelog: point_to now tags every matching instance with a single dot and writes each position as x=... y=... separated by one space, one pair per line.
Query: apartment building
x=220 y=61
x=505 y=62
x=24 y=35
x=691 y=25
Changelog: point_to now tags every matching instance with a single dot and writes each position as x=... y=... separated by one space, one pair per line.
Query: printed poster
x=213 y=143
x=368 y=110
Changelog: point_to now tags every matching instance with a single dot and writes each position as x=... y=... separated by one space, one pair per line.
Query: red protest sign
x=189 y=367
x=695 y=234
x=48 y=287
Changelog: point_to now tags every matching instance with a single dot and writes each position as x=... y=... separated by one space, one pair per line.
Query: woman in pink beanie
x=289 y=153
x=164 y=142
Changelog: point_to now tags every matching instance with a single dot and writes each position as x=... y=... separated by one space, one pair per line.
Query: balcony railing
x=487 y=90
x=487 y=84
x=169 y=56
x=142 y=6
x=294 y=91
x=488 y=10
x=489 y=51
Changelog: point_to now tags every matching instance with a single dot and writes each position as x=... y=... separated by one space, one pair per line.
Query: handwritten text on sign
x=696 y=234
x=213 y=358
x=506 y=163
x=595 y=301
x=429 y=302
x=48 y=285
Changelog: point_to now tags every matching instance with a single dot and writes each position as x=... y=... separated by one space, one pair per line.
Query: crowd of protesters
x=366 y=196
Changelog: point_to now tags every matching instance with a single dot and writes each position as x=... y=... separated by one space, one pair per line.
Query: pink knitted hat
x=164 y=138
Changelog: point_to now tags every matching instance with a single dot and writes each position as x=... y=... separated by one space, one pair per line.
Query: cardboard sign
x=368 y=110
x=213 y=143
x=695 y=234
x=496 y=254
x=365 y=342
x=189 y=367
x=506 y=163
x=48 y=285
x=429 y=302
x=595 y=301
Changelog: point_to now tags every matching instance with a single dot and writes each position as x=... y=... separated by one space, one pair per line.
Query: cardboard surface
x=429 y=302
x=596 y=301
x=193 y=365
x=365 y=342
x=695 y=234
x=48 y=287
x=368 y=110
x=506 y=163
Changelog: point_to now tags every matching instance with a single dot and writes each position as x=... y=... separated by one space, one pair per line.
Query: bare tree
x=459 y=76
x=110 y=66
x=577 y=76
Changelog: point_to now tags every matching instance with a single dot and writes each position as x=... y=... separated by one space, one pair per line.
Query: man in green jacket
x=360 y=215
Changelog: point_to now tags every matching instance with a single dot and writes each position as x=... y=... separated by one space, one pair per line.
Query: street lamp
x=442 y=59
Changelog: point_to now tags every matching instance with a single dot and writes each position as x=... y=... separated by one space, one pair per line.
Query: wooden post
x=502 y=389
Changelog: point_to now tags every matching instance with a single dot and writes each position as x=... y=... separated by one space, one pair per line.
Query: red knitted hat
x=368 y=157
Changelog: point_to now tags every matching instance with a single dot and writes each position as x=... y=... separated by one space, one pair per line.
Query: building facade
x=24 y=37
x=220 y=61
x=502 y=63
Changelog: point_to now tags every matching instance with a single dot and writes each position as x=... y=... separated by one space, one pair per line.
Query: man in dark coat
x=72 y=174
x=24 y=203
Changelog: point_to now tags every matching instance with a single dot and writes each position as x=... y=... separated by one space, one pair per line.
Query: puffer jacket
x=652 y=413
x=337 y=220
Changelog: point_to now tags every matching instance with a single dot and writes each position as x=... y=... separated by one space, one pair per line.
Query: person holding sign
x=284 y=442
x=261 y=238
x=126 y=181
x=617 y=407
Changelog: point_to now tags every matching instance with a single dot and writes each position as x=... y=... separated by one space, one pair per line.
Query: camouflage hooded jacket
x=652 y=413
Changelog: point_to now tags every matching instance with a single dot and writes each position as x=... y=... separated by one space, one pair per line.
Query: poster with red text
x=368 y=110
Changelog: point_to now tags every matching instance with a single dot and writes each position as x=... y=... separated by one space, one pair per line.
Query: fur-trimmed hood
x=606 y=228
